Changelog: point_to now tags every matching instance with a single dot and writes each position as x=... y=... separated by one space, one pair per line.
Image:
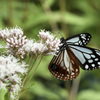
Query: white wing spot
x=58 y=76
x=90 y=61
x=84 y=41
x=62 y=74
x=70 y=77
x=76 y=70
x=80 y=43
x=87 y=56
x=87 y=38
x=76 y=43
x=93 y=65
x=93 y=56
x=99 y=63
x=86 y=67
x=98 y=52
x=96 y=59
x=72 y=73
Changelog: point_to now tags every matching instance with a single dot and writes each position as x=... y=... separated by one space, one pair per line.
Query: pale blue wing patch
x=88 y=57
x=81 y=39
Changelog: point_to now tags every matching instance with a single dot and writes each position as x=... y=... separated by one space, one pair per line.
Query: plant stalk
x=2 y=94
x=32 y=69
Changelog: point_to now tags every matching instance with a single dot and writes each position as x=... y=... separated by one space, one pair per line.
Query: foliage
x=62 y=17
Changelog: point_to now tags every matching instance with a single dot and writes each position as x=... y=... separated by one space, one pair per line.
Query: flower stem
x=32 y=69
x=2 y=94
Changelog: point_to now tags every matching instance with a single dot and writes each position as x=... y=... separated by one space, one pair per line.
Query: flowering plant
x=20 y=58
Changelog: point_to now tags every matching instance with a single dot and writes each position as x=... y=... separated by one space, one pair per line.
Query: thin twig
x=74 y=89
x=32 y=70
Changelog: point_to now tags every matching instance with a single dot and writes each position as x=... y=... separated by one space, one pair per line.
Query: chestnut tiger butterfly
x=72 y=55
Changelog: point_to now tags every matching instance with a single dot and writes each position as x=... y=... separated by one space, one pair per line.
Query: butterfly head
x=63 y=44
x=62 y=40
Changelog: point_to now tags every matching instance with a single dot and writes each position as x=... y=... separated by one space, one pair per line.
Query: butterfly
x=72 y=55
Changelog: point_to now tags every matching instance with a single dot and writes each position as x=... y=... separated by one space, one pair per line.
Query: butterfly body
x=72 y=55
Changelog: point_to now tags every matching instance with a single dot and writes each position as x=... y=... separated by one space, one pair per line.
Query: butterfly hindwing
x=80 y=39
x=89 y=58
x=63 y=66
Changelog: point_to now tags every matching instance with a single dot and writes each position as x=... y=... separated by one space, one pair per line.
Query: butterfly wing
x=89 y=58
x=63 y=66
x=80 y=39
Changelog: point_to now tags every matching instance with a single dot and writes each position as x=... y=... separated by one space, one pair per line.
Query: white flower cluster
x=51 y=42
x=9 y=32
x=48 y=44
x=34 y=47
x=16 y=40
x=19 y=45
x=11 y=73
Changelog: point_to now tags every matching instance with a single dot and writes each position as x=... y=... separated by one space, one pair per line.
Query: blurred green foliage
x=63 y=18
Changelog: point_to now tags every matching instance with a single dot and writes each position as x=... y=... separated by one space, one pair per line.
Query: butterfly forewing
x=89 y=58
x=80 y=39
x=63 y=66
